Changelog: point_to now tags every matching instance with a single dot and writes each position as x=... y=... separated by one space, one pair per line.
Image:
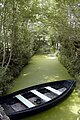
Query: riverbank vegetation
x=27 y=26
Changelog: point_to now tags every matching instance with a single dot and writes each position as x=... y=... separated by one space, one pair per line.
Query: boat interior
x=32 y=98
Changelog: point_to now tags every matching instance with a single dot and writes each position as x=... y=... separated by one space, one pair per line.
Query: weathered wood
x=3 y=115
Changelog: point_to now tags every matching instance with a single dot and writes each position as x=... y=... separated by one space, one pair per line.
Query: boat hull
x=15 y=115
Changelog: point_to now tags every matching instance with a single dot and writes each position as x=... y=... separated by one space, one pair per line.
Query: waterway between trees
x=46 y=68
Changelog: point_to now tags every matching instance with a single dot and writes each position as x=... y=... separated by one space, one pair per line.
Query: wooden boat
x=36 y=98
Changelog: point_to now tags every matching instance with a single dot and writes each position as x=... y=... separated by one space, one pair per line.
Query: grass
x=41 y=68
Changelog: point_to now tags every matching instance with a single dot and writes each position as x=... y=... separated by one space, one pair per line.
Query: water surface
x=45 y=68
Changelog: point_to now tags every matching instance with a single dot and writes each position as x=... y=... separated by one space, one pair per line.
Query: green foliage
x=27 y=26
x=69 y=36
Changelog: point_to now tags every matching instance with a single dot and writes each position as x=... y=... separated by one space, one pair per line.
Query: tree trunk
x=5 y=35
x=5 y=38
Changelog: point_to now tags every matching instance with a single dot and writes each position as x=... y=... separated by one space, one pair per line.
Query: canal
x=46 y=68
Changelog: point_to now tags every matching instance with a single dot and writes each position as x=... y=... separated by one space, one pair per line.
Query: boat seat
x=53 y=90
x=42 y=96
x=25 y=101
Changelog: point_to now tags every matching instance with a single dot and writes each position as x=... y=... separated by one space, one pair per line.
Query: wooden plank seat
x=53 y=90
x=24 y=101
x=40 y=95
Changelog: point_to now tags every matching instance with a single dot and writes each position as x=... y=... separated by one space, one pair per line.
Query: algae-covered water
x=44 y=68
